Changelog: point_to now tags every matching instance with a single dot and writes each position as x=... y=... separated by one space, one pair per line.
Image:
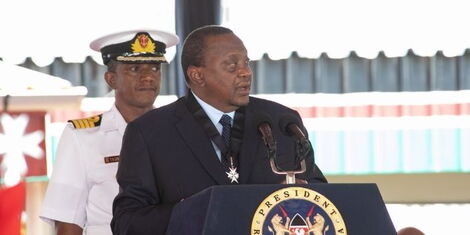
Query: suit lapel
x=250 y=145
x=192 y=133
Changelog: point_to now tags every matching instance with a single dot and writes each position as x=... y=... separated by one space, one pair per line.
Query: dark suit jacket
x=166 y=157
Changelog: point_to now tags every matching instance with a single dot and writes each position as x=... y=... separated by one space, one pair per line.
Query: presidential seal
x=297 y=211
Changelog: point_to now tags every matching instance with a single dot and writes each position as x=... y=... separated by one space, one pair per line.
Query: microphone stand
x=302 y=149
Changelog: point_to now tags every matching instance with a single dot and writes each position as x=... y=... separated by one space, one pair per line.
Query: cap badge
x=143 y=44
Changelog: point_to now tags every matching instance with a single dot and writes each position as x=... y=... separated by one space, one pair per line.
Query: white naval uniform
x=82 y=187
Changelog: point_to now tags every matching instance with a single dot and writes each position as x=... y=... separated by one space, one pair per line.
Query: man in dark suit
x=180 y=149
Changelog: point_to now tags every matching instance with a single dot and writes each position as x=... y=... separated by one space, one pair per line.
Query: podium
x=231 y=209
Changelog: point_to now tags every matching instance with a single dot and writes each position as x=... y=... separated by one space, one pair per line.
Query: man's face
x=135 y=85
x=226 y=72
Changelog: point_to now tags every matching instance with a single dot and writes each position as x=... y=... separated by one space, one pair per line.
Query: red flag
x=12 y=201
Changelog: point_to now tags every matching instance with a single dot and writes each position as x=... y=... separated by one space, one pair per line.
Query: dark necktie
x=226 y=122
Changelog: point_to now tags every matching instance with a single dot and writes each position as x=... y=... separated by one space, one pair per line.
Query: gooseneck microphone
x=289 y=125
x=262 y=122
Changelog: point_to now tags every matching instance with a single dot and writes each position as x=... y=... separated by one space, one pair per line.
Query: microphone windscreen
x=260 y=118
x=285 y=120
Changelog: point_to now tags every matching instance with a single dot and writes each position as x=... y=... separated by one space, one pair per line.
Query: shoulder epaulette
x=88 y=122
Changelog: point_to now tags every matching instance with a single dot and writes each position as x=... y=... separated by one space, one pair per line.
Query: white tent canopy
x=47 y=29
x=27 y=90
x=276 y=27
x=337 y=27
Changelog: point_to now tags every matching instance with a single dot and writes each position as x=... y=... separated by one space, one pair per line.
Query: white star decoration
x=14 y=144
x=232 y=174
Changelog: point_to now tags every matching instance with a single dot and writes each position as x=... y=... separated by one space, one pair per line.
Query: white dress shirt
x=214 y=115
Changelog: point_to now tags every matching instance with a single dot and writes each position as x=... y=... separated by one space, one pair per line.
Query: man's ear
x=110 y=79
x=195 y=75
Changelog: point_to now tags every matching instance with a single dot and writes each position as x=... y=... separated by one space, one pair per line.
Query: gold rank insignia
x=86 y=122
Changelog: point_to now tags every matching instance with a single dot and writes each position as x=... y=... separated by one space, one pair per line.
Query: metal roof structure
x=307 y=75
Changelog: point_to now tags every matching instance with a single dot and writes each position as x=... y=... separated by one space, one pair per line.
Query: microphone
x=289 y=125
x=263 y=122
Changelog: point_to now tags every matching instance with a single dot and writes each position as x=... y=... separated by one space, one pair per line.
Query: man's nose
x=245 y=72
x=148 y=74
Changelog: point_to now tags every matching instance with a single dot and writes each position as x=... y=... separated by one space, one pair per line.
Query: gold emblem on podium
x=297 y=210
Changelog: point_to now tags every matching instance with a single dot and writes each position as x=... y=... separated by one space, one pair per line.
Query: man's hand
x=63 y=228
